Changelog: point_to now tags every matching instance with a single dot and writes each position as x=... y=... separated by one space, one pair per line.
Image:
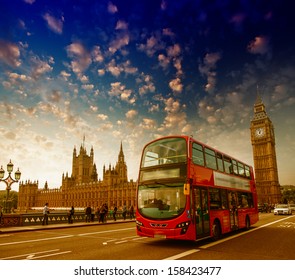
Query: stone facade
x=264 y=155
x=83 y=188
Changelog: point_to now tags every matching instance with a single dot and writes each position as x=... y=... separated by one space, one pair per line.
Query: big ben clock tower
x=264 y=155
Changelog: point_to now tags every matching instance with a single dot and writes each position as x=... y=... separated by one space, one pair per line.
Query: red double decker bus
x=188 y=190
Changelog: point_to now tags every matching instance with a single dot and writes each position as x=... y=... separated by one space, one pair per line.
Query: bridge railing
x=29 y=219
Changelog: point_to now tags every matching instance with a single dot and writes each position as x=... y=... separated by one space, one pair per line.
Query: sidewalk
x=58 y=226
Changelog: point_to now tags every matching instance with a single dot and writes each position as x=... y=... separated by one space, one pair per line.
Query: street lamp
x=9 y=181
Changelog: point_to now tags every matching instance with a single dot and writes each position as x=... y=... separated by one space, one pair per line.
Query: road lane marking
x=35 y=240
x=129 y=237
x=123 y=241
x=111 y=240
x=240 y=234
x=106 y=231
x=181 y=255
x=5 y=235
x=28 y=254
x=139 y=238
x=49 y=255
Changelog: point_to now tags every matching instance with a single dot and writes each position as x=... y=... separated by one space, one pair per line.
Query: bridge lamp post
x=9 y=181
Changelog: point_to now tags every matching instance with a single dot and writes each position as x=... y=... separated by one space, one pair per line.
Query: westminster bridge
x=55 y=217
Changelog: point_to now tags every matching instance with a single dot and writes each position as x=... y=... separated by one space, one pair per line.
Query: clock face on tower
x=259 y=132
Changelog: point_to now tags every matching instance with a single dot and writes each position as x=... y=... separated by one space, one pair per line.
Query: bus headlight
x=184 y=226
x=138 y=225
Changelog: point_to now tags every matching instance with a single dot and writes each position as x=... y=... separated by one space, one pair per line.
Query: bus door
x=201 y=212
x=233 y=210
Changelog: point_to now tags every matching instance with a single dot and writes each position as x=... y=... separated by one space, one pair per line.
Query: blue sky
x=133 y=71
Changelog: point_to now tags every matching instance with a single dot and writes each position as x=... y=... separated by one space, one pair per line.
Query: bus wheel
x=216 y=230
x=247 y=223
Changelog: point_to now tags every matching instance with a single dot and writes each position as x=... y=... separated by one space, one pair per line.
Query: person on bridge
x=71 y=215
x=131 y=212
x=115 y=212
x=88 y=214
x=124 y=212
x=102 y=213
x=45 y=214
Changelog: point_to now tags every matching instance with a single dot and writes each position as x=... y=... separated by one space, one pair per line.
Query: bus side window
x=250 y=200
x=210 y=158
x=219 y=162
x=227 y=164
x=234 y=166
x=223 y=196
x=245 y=200
x=198 y=155
x=215 y=201
x=241 y=169
x=247 y=171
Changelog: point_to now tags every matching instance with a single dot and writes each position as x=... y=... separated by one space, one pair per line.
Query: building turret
x=121 y=167
x=94 y=175
x=82 y=167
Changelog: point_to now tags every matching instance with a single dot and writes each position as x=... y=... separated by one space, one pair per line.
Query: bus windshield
x=161 y=201
x=165 y=151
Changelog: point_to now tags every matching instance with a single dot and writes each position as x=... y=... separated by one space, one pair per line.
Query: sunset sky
x=132 y=71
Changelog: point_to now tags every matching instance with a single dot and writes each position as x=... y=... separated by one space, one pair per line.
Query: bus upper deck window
x=210 y=158
x=219 y=162
x=241 y=169
x=164 y=151
x=247 y=171
x=198 y=154
x=234 y=166
x=227 y=164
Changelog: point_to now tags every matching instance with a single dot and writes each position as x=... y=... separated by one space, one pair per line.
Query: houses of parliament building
x=83 y=188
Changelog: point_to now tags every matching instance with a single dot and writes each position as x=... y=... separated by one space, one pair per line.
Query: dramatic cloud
x=260 y=45
x=56 y=25
x=81 y=58
x=9 y=53
x=176 y=85
x=153 y=44
x=131 y=114
x=207 y=70
x=112 y=9
x=119 y=42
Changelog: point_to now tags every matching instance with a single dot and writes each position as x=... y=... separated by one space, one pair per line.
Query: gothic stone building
x=264 y=155
x=83 y=188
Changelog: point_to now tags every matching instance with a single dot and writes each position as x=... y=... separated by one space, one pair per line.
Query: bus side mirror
x=186 y=189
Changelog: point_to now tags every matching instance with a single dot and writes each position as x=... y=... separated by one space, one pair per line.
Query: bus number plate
x=162 y=236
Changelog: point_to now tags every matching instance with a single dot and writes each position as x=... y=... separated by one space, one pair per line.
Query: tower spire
x=84 y=140
x=258 y=97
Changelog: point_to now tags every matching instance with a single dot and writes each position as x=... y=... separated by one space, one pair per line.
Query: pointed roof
x=259 y=108
x=121 y=154
x=258 y=97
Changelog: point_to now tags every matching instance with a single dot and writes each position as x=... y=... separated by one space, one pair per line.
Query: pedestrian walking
x=45 y=214
x=102 y=212
x=71 y=215
x=131 y=212
x=124 y=212
x=106 y=209
x=115 y=213
x=88 y=214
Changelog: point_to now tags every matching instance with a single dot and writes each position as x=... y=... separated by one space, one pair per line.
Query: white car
x=282 y=209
